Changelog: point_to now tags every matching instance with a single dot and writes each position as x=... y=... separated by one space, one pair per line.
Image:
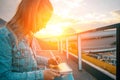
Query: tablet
x=64 y=68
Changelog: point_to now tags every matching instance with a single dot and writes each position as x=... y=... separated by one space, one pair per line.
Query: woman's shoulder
x=6 y=36
x=4 y=31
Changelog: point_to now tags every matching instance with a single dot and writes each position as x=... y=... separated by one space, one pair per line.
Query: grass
x=108 y=67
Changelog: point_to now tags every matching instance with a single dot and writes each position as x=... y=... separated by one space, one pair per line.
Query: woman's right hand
x=50 y=74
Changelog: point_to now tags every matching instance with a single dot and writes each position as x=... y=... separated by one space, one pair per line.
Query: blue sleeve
x=42 y=60
x=35 y=48
x=6 y=64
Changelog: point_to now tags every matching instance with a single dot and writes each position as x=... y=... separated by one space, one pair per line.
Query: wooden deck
x=78 y=75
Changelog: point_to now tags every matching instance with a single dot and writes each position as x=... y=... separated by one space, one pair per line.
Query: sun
x=50 y=30
x=55 y=26
x=54 y=30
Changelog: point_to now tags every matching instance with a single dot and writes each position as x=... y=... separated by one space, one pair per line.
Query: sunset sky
x=79 y=15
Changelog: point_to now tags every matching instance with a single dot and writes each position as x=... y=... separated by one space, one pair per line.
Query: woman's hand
x=54 y=60
x=50 y=74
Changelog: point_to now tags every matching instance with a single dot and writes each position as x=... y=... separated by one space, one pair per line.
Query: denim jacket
x=18 y=62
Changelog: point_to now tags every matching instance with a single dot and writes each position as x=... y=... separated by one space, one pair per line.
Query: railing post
x=118 y=52
x=58 y=45
x=61 y=45
x=79 y=52
x=67 y=55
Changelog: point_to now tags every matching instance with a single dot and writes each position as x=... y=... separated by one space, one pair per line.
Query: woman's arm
x=35 y=47
x=6 y=64
x=41 y=60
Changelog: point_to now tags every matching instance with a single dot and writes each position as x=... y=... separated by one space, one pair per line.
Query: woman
x=17 y=60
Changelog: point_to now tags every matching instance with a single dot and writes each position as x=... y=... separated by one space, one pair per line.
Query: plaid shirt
x=18 y=62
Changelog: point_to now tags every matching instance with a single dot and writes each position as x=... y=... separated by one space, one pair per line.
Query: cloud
x=88 y=21
x=95 y=20
x=116 y=13
x=72 y=3
x=66 y=8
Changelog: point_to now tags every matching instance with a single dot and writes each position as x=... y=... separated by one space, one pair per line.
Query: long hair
x=31 y=16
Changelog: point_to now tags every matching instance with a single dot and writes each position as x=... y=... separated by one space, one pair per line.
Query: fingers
x=50 y=74
x=52 y=61
x=52 y=78
x=59 y=59
x=55 y=73
x=55 y=60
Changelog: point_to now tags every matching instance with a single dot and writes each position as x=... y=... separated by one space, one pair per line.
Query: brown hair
x=31 y=16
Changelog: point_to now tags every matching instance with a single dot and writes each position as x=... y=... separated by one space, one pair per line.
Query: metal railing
x=80 y=35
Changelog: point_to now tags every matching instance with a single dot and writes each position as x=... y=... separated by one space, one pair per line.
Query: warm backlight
x=50 y=30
